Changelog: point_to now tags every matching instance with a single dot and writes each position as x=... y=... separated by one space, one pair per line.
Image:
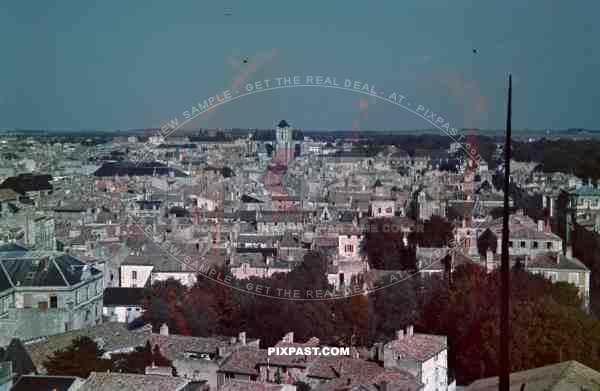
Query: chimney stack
x=242 y=337
x=569 y=253
x=399 y=335
x=409 y=331
x=164 y=329
x=489 y=257
x=540 y=225
x=289 y=337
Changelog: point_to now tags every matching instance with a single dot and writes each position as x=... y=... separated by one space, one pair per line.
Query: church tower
x=283 y=136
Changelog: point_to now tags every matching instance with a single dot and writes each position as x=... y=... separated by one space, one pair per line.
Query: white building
x=425 y=356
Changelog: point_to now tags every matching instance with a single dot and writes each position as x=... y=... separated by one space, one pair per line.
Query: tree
x=437 y=232
x=278 y=376
x=548 y=325
x=139 y=359
x=79 y=359
x=163 y=303
x=384 y=247
x=302 y=386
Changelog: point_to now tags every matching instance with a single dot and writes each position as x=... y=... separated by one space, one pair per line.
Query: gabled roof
x=554 y=260
x=110 y=381
x=110 y=336
x=41 y=269
x=244 y=361
x=419 y=347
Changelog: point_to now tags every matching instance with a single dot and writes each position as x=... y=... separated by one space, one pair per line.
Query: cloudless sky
x=138 y=64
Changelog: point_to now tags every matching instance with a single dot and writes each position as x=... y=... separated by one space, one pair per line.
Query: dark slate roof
x=179 y=211
x=12 y=247
x=110 y=169
x=249 y=200
x=25 y=272
x=177 y=146
x=16 y=268
x=27 y=182
x=247 y=215
x=114 y=297
x=283 y=124
x=254 y=250
x=44 y=383
x=148 y=205
x=16 y=353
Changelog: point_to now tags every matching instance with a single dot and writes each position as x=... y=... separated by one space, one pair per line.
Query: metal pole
x=504 y=384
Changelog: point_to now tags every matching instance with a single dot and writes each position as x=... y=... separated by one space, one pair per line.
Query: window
x=535 y=245
x=53 y=301
x=27 y=298
x=523 y=244
x=552 y=276
x=574 y=278
x=349 y=248
x=510 y=244
x=134 y=275
x=549 y=245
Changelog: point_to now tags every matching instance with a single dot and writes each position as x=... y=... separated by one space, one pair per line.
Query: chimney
x=242 y=337
x=540 y=224
x=520 y=212
x=399 y=335
x=409 y=331
x=289 y=337
x=569 y=253
x=164 y=329
x=489 y=257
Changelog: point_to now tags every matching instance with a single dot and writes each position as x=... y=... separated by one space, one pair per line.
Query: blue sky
x=138 y=64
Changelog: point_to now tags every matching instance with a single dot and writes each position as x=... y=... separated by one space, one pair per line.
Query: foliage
x=139 y=359
x=384 y=247
x=581 y=158
x=79 y=359
x=547 y=323
x=302 y=386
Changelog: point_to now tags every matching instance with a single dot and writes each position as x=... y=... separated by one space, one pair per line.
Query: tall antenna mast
x=504 y=384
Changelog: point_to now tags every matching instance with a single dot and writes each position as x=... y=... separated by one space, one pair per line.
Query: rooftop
x=565 y=376
x=110 y=381
x=419 y=347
